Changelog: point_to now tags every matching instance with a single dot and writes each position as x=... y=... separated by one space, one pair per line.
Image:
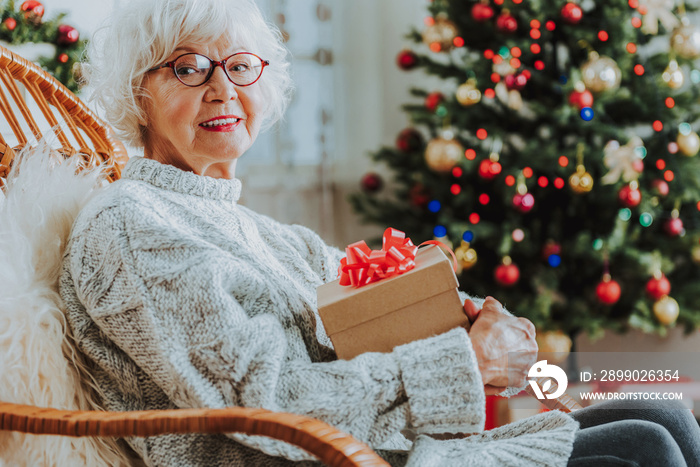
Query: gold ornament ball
x=600 y=73
x=466 y=257
x=468 y=94
x=442 y=31
x=688 y=144
x=666 y=310
x=443 y=154
x=685 y=41
x=581 y=181
x=695 y=254
x=673 y=75
x=555 y=342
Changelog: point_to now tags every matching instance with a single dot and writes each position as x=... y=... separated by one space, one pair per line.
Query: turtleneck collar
x=171 y=178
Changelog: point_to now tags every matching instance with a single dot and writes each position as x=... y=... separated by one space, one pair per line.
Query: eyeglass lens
x=193 y=69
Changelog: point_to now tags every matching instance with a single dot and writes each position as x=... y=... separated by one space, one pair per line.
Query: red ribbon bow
x=362 y=266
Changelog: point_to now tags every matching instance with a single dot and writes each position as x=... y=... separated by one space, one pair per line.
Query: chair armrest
x=331 y=446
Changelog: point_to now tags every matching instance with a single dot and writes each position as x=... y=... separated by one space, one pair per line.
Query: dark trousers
x=636 y=434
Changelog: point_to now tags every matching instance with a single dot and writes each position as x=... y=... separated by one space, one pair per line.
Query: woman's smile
x=221 y=123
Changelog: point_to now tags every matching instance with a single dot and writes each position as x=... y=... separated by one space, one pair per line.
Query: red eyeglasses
x=191 y=69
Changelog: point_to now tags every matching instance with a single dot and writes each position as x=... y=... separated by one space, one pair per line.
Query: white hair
x=144 y=33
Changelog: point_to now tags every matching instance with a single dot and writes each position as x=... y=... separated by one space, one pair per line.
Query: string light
x=468 y=236
x=456 y=189
x=484 y=199
x=474 y=218
x=550 y=25
x=637 y=22
x=457 y=172
x=510 y=180
x=535 y=24
x=539 y=65
x=625 y=214
x=440 y=231
x=488 y=54
x=646 y=219
x=559 y=182
x=458 y=41
x=470 y=154
x=435 y=47
x=657 y=125
x=669 y=176
x=587 y=114
x=495 y=77
x=638 y=70
x=554 y=260
x=515 y=63
x=490 y=93
x=516 y=52
x=429 y=20
x=670 y=103
x=434 y=206
x=518 y=235
x=673 y=147
x=661 y=164
x=527 y=171
x=563 y=161
x=535 y=34
x=542 y=181
x=603 y=36
x=535 y=48
x=481 y=134
x=631 y=47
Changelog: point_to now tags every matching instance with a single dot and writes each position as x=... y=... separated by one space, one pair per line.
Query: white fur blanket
x=37 y=364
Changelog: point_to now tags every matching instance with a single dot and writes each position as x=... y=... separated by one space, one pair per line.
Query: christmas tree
x=559 y=160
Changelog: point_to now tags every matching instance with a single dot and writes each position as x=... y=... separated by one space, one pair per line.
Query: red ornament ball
x=659 y=187
x=581 y=99
x=32 y=9
x=419 y=196
x=571 y=13
x=67 y=35
x=629 y=197
x=507 y=274
x=488 y=170
x=608 y=292
x=407 y=60
x=10 y=24
x=433 y=100
x=409 y=140
x=506 y=23
x=523 y=203
x=482 y=12
x=550 y=248
x=371 y=182
x=657 y=288
x=516 y=81
x=673 y=226
x=638 y=165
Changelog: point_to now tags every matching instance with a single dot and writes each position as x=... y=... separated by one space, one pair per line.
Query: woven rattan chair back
x=23 y=86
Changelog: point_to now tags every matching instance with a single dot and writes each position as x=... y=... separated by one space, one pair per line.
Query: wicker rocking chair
x=88 y=135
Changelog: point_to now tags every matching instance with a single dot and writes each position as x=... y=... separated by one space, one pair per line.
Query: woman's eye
x=239 y=68
x=187 y=70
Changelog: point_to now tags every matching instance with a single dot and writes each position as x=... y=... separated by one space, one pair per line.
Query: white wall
x=371 y=90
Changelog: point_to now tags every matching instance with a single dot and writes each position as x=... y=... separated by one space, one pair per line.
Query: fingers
x=493 y=390
x=471 y=310
x=527 y=326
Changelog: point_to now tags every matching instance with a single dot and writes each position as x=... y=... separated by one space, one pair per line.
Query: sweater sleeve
x=171 y=302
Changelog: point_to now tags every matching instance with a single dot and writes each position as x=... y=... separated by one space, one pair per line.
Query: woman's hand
x=505 y=346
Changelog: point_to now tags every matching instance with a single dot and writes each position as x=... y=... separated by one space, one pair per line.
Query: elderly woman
x=180 y=297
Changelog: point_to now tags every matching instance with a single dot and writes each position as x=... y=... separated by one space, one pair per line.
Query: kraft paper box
x=379 y=316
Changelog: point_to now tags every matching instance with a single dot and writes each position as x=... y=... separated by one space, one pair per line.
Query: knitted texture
x=180 y=297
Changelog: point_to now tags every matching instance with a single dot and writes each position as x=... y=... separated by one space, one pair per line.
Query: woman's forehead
x=213 y=49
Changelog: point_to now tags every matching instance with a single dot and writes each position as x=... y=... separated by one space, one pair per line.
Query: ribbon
x=362 y=266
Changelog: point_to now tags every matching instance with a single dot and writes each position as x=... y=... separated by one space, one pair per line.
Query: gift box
x=411 y=305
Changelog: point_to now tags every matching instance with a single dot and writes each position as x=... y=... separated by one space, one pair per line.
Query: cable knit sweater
x=180 y=297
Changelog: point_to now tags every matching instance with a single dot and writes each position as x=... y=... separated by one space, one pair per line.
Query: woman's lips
x=228 y=123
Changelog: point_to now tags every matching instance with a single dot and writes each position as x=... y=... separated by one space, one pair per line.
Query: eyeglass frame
x=214 y=64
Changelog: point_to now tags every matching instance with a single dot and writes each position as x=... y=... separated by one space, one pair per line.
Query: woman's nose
x=220 y=87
